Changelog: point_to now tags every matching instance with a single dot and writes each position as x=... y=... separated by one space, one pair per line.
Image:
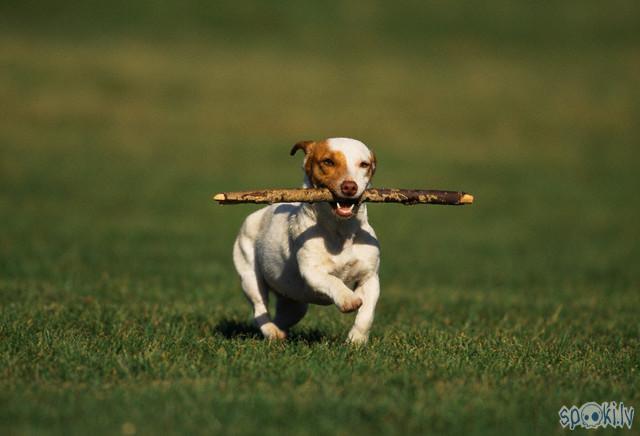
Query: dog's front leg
x=369 y=291
x=322 y=282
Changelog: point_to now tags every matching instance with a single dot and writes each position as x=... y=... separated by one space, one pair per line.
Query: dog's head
x=344 y=166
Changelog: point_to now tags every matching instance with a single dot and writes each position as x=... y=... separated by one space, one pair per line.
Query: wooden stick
x=404 y=196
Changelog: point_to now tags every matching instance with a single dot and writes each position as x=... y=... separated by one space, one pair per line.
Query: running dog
x=315 y=253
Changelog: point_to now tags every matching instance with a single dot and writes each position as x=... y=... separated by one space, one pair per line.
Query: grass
x=119 y=308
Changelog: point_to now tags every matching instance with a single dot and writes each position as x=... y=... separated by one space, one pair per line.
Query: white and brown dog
x=318 y=253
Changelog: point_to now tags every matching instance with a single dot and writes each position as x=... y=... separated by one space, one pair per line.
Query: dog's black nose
x=349 y=188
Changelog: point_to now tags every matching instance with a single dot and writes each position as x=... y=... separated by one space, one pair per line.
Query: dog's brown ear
x=306 y=146
x=374 y=164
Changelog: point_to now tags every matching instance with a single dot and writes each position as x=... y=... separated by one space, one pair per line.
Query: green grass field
x=120 y=311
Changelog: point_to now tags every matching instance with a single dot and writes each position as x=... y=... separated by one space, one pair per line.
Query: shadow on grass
x=233 y=329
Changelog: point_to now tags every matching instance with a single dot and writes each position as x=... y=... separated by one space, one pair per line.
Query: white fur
x=304 y=254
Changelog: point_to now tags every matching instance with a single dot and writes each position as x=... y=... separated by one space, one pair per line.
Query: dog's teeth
x=344 y=206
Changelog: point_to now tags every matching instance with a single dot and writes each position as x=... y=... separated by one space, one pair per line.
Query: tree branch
x=404 y=196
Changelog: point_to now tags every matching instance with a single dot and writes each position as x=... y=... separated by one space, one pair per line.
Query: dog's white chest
x=350 y=264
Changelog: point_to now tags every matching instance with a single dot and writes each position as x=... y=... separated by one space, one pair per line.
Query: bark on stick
x=403 y=196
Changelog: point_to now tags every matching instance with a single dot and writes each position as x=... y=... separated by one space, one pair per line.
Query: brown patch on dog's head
x=325 y=167
x=372 y=167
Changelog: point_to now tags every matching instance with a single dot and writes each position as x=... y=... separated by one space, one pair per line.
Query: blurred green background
x=119 y=120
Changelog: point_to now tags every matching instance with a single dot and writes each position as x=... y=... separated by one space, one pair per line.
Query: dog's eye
x=327 y=162
x=365 y=164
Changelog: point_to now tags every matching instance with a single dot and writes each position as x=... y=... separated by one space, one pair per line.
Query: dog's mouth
x=344 y=208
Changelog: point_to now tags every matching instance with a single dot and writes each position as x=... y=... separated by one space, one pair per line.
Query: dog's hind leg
x=289 y=312
x=254 y=287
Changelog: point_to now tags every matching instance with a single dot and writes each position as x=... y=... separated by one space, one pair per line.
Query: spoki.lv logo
x=594 y=415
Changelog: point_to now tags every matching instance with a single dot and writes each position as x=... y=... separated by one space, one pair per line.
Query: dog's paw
x=357 y=338
x=272 y=332
x=350 y=304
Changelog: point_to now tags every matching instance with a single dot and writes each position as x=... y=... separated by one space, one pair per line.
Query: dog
x=314 y=253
